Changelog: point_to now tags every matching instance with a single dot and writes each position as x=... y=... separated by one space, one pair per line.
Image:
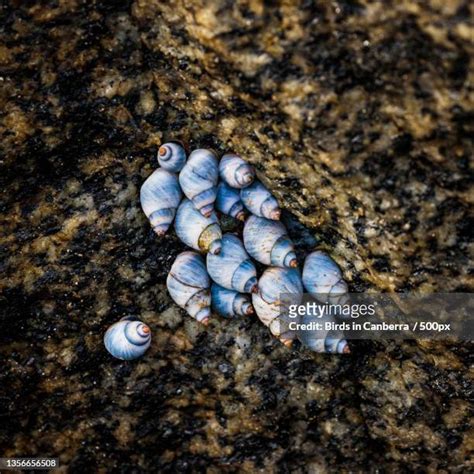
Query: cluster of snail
x=226 y=282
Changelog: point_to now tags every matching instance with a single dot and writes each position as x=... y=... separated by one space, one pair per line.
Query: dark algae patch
x=358 y=116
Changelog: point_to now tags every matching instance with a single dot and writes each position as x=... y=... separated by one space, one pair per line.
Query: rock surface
x=358 y=115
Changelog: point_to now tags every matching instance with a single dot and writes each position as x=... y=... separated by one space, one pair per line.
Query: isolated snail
x=196 y=231
x=322 y=278
x=277 y=289
x=232 y=267
x=189 y=285
x=160 y=196
x=230 y=303
x=260 y=201
x=268 y=243
x=127 y=339
x=228 y=201
x=172 y=157
x=198 y=180
x=235 y=171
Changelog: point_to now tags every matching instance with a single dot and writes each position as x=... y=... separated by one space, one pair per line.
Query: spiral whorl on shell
x=268 y=242
x=172 y=157
x=277 y=289
x=189 y=285
x=196 y=231
x=260 y=201
x=228 y=201
x=235 y=171
x=198 y=179
x=321 y=341
x=127 y=339
x=232 y=268
x=160 y=196
x=322 y=278
x=230 y=303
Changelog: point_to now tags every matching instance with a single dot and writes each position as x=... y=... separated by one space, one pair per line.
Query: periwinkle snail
x=189 y=285
x=268 y=243
x=172 y=157
x=322 y=341
x=227 y=280
x=127 y=339
x=160 y=196
x=232 y=267
x=235 y=171
x=228 y=201
x=322 y=278
x=259 y=201
x=196 y=231
x=277 y=288
x=198 y=180
x=230 y=303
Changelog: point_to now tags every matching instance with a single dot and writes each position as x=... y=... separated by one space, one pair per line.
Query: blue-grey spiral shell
x=278 y=288
x=189 y=285
x=198 y=180
x=232 y=268
x=322 y=278
x=321 y=341
x=196 y=231
x=268 y=242
x=260 y=201
x=228 y=201
x=172 y=157
x=127 y=339
x=230 y=303
x=160 y=196
x=235 y=171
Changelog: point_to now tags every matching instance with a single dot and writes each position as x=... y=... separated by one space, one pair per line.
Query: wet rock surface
x=358 y=116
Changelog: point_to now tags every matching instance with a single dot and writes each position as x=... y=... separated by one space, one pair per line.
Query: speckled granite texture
x=358 y=113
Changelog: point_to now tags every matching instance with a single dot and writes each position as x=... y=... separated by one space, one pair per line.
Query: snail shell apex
x=160 y=196
x=198 y=180
x=196 y=231
x=232 y=267
x=189 y=285
x=260 y=201
x=127 y=339
x=172 y=157
x=268 y=242
x=235 y=171
x=230 y=303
